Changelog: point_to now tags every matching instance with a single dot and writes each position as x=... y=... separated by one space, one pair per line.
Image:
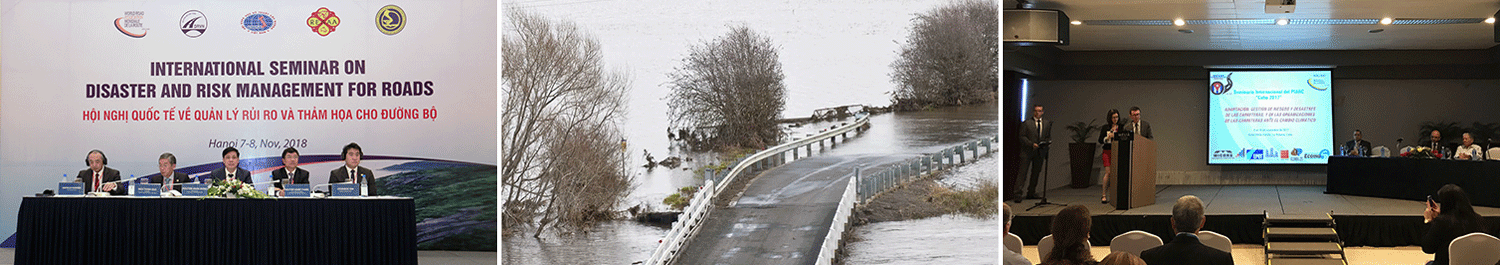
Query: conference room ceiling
x=1294 y=36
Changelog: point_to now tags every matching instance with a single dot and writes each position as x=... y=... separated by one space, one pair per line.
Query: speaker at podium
x=1135 y=172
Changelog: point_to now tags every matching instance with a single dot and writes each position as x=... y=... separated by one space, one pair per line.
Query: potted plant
x=1081 y=153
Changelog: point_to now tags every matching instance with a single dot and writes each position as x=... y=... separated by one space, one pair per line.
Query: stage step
x=1280 y=261
x=1299 y=220
x=1302 y=232
x=1303 y=248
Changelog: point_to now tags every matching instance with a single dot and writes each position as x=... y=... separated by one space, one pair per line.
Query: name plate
x=194 y=190
x=69 y=189
x=147 y=190
x=298 y=190
x=345 y=190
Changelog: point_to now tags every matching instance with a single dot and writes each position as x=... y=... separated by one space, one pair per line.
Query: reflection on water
x=949 y=239
x=615 y=242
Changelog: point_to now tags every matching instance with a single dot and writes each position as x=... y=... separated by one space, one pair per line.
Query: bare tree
x=561 y=164
x=730 y=91
x=951 y=58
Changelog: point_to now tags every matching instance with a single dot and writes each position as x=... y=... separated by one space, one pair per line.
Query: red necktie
x=352 y=178
x=96 y=181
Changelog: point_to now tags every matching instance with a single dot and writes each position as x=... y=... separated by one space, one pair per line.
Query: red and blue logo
x=258 y=22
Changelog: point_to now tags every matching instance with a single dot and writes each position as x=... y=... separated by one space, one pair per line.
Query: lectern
x=1135 y=173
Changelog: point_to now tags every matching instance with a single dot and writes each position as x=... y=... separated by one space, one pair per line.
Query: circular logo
x=193 y=23
x=258 y=22
x=323 y=21
x=390 y=19
x=1217 y=88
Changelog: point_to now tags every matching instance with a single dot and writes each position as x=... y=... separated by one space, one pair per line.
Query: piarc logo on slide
x=390 y=19
x=130 y=23
x=193 y=23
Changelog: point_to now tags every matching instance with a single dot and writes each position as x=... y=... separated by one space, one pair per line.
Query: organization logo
x=1223 y=154
x=1258 y=154
x=258 y=22
x=390 y=19
x=1285 y=154
x=323 y=21
x=1219 y=88
x=193 y=23
x=1297 y=154
x=1320 y=84
x=1320 y=155
x=131 y=23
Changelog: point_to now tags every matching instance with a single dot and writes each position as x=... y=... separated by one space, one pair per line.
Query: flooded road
x=948 y=239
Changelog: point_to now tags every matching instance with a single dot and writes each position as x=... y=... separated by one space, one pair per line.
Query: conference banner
x=412 y=82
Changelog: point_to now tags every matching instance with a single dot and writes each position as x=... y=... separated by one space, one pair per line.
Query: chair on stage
x=1474 y=248
x=1215 y=240
x=1493 y=153
x=1380 y=151
x=1013 y=242
x=1134 y=242
x=1044 y=247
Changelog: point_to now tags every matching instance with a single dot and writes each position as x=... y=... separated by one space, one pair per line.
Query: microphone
x=124 y=180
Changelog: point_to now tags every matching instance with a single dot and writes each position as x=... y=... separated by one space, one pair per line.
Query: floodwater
x=948 y=239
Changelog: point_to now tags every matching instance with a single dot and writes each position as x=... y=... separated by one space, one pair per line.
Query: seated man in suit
x=167 y=163
x=97 y=177
x=351 y=171
x=231 y=167
x=1187 y=219
x=288 y=168
x=1435 y=143
x=1357 y=147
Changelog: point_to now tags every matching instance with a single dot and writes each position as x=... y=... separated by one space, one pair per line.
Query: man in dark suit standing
x=1140 y=127
x=352 y=155
x=1036 y=133
x=167 y=163
x=231 y=167
x=1187 y=219
x=97 y=177
x=1358 y=146
x=288 y=168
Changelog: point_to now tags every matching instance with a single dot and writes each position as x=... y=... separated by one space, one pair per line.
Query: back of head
x=1122 y=258
x=1187 y=214
x=1454 y=203
x=1008 y=215
x=1070 y=235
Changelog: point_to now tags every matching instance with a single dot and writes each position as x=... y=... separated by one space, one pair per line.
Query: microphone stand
x=1042 y=149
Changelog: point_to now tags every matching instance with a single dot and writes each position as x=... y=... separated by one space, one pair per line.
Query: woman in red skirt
x=1106 y=137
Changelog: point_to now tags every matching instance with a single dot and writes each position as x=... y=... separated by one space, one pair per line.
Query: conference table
x=1413 y=179
x=153 y=230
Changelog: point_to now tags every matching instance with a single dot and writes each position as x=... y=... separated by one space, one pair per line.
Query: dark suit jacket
x=177 y=177
x=239 y=173
x=1185 y=249
x=110 y=174
x=280 y=174
x=341 y=175
x=1029 y=134
x=1350 y=146
x=1145 y=130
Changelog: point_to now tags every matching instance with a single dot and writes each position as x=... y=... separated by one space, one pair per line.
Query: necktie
x=1038 y=128
x=352 y=178
x=231 y=176
x=96 y=181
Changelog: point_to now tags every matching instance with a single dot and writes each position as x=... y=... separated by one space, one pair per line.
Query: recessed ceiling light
x=1179 y=22
x=1489 y=20
x=1185 y=30
x=1282 y=22
x=1075 y=22
x=1385 y=21
x=1377 y=30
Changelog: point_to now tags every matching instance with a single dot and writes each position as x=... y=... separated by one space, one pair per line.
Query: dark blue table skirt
x=54 y=230
x=1413 y=179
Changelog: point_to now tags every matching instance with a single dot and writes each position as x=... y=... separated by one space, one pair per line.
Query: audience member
x=1187 y=219
x=1011 y=257
x=1070 y=237
x=1448 y=216
x=1121 y=258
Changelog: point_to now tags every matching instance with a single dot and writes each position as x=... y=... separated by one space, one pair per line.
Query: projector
x=1280 y=6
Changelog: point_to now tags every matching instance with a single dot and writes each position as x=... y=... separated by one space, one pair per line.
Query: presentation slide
x=1270 y=117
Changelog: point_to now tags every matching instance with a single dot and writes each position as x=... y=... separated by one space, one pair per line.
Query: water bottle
x=364 y=185
x=65 y=178
x=129 y=190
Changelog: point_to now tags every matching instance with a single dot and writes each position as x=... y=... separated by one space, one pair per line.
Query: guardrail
x=835 y=236
x=912 y=169
x=687 y=225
